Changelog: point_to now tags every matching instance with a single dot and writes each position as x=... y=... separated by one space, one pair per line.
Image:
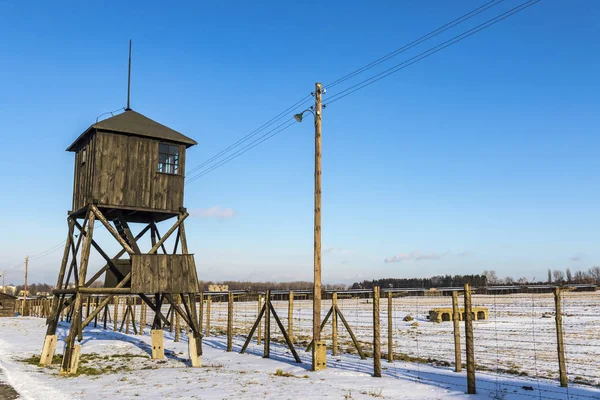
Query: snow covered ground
x=116 y=365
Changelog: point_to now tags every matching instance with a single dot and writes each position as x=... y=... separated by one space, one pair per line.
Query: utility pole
x=318 y=353
x=3 y=285
x=25 y=288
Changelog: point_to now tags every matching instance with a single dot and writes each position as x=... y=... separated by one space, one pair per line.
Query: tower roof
x=134 y=123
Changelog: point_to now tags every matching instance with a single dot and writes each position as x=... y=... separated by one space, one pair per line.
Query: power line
x=364 y=83
x=354 y=88
x=273 y=120
x=416 y=42
x=246 y=148
x=443 y=28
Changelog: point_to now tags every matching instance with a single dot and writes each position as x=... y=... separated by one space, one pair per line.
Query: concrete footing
x=158 y=350
x=48 y=350
x=319 y=355
x=193 y=350
x=74 y=364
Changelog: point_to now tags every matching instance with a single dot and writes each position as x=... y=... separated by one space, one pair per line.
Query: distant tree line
x=423 y=283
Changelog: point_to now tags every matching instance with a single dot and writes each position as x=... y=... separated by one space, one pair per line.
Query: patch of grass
x=373 y=393
x=280 y=372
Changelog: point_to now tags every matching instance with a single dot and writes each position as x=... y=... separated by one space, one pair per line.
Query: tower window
x=168 y=158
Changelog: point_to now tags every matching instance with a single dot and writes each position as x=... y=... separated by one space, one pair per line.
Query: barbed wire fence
x=544 y=343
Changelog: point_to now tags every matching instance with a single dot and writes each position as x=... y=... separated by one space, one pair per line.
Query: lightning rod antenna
x=129 y=78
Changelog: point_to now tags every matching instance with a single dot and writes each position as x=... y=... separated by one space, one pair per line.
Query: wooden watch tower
x=129 y=172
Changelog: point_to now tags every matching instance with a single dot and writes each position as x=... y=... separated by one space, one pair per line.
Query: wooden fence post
x=562 y=367
x=456 y=322
x=208 y=301
x=230 y=322
x=142 y=318
x=267 y=344
x=177 y=320
x=376 y=334
x=471 y=386
x=390 y=356
x=127 y=313
x=334 y=325
x=291 y=316
x=116 y=313
x=259 y=333
x=201 y=312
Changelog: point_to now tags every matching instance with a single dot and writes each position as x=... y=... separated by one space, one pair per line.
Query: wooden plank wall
x=83 y=179
x=7 y=306
x=125 y=173
x=163 y=273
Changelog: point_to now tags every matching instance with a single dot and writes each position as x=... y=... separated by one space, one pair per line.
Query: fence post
x=208 y=301
x=230 y=322
x=126 y=313
x=334 y=326
x=267 y=344
x=116 y=313
x=471 y=387
x=142 y=317
x=456 y=321
x=390 y=356
x=291 y=316
x=259 y=333
x=559 y=338
x=201 y=311
x=376 y=334
x=177 y=320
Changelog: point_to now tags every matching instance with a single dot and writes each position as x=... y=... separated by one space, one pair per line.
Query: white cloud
x=213 y=212
x=413 y=255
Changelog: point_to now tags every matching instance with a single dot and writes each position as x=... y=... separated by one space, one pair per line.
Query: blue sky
x=483 y=156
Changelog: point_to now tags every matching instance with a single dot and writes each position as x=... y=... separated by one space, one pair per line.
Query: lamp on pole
x=318 y=350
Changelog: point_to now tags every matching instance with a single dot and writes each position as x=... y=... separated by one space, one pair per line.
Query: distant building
x=42 y=294
x=22 y=293
x=218 y=288
x=7 y=305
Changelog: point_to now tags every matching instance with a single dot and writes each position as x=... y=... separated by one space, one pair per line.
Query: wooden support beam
x=352 y=336
x=256 y=324
x=181 y=218
x=310 y=345
x=157 y=234
x=285 y=335
x=128 y=234
x=111 y=229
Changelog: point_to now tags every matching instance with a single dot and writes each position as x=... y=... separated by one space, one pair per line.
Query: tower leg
x=156 y=334
x=57 y=303
x=72 y=351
